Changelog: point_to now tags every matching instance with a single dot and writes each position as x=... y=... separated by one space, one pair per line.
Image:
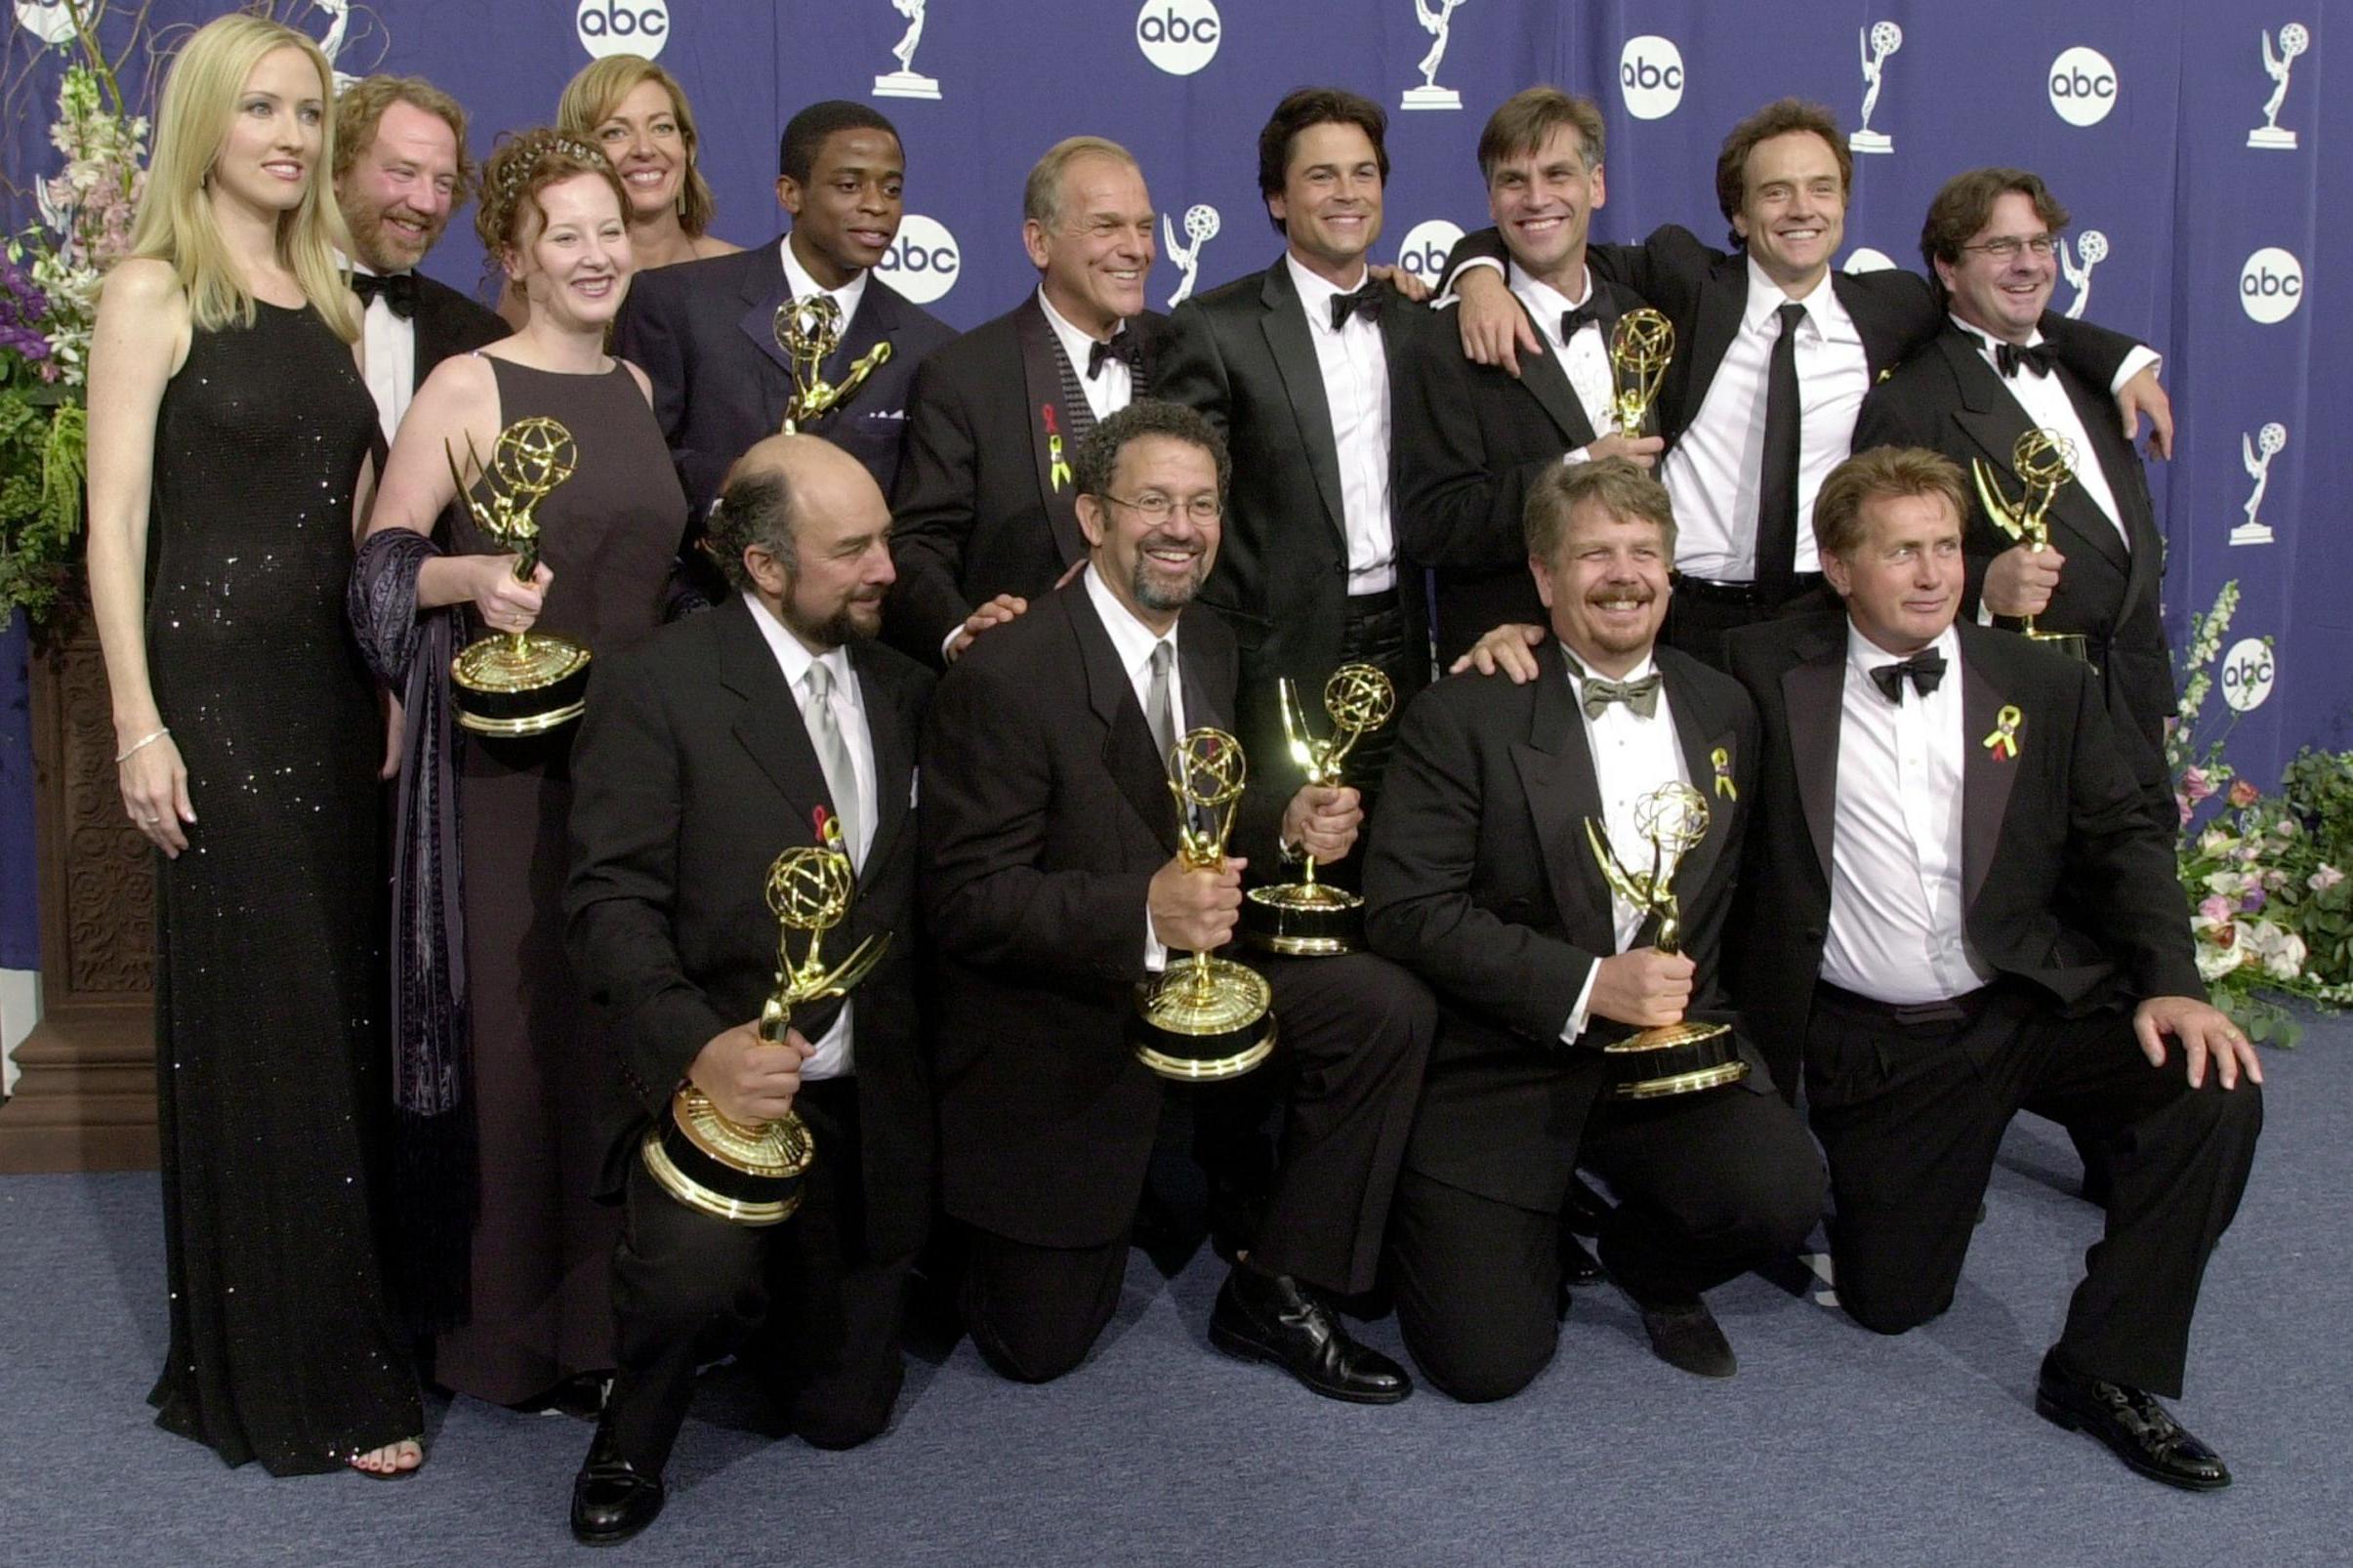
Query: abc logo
x=2083 y=86
x=2271 y=285
x=1425 y=248
x=2247 y=672
x=624 y=27
x=1863 y=259
x=1650 y=75
x=922 y=262
x=1179 y=36
x=46 y=19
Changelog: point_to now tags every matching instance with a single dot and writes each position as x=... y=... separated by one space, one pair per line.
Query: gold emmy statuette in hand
x=1205 y=1017
x=754 y=1175
x=1307 y=918
x=1642 y=345
x=809 y=331
x=2044 y=461
x=517 y=682
x=1674 y=1059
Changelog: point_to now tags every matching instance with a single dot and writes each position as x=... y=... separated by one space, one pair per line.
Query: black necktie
x=1925 y=668
x=1642 y=696
x=2009 y=358
x=1121 y=347
x=1585 y=314
x=1777 y=488
x=1365 y=301
x=399 y=291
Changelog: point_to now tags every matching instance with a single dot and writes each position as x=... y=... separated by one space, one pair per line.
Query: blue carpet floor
x=1832 y=1446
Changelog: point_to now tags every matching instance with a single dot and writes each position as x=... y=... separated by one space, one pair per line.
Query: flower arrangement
x=49 y=274
x=2271 y=902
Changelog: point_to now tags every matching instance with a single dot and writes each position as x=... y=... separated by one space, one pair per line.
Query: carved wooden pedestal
x=87 y=1097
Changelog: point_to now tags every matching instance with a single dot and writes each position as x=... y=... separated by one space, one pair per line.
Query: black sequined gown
x=268 y=953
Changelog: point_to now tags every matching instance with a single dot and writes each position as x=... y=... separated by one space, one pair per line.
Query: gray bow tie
x=1642 y=695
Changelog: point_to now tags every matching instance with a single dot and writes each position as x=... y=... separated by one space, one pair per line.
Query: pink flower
x=2244 y=794
x=2215 y=908
x=2321 y=881
x=2195 y=785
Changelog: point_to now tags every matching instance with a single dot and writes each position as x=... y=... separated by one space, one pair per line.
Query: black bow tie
x=2009 y=357
x=1585 y=314
x=1642 y=696
x=399 y=291
x=1121 y=347
x=1365 y=301
x=1925 y=668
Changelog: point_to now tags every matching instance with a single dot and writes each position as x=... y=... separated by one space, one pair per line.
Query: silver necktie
x=833 y=755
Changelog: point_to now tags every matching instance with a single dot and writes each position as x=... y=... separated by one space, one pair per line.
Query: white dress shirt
x=389 y=356
x=1134 y=642
x=1356 y=390
x=835 y=1056
x=1898 y=930
x=1110 y=388
x=1715 y=471
x=806 y=287
x=1583 y=359
x=2044 y=402
x=1632 y=756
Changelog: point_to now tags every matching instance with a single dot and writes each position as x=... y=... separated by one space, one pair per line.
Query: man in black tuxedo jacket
x=1299 y=368
x=1053 y=884
x=705 y=331
x=1769 y=337
x=1473 y=439
x=1988 y=379
x=723 y=740
x=1480 y=878
x=1954 y=898
x=986 y=511
x=401 y=170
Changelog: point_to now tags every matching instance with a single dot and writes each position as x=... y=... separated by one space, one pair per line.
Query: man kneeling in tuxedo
x=1482 y=880
x=720 y=741
x=1957 y=899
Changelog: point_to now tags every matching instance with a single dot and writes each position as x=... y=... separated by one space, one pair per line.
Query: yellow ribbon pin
x=2003 y=741
x=1057 y=470
x=1722 y=758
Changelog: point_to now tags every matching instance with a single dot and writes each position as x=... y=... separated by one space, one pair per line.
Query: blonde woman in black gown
x=228 y=462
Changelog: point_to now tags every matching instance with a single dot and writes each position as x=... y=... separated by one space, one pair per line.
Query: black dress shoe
x=1273 y=1317
x=1684 y=1335
x=612 y=1498
x=2136 y=1428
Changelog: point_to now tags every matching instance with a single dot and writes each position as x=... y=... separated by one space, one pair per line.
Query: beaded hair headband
x=518 y=171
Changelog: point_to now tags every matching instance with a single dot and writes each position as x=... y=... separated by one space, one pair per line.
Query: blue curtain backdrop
x=2148 y=119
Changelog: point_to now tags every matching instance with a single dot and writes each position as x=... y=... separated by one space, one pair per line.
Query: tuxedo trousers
x=1709 y=1186
x=1701 y=615
x=1910 y=1108
x=815 y=1319
x=1354 y=1035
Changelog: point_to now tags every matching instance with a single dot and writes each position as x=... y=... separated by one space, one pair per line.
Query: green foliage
x=43 y=459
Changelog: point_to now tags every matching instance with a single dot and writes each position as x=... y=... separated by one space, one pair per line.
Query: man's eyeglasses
x=1157 y=509
x=2007 y=247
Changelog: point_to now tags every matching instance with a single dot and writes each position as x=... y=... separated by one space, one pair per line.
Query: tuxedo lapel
x=1812 y=696
x=876 y=316
x=1703 y=735
x=1048 y=423
x=1723 y=298
x=2109 y=451
x=1548 y=384
x=894 y=753
x=1869 y=308
x=764 y=291
x=1985 y=777
x=768 y=723
x=1994 y=419
x=1289 y=341
x=1128 y=753
x=1556 y=774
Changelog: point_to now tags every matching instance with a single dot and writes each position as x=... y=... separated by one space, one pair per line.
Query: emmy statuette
x=1674 y=1059
x=519 y=682
x=1642 y=345
x=1307 y=918
x=809 y=331
x=753 y=1174
x=2044 y=461
x=1204 y=1018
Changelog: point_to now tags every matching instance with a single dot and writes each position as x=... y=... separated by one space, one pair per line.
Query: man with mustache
x=1053 y=884
x=1481 y=880
x=722 y=740
x=401 y=170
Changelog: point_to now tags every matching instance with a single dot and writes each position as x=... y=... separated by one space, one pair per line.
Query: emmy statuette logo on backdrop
x=622 y=26
x=1200 y=227
x=1650 y=76
x=2083 y=86
x=1436 y=21
x=1178 y=36
x=923 y=260
x=2250 y=670
x=2271 y=285
x=2090 y=249
x=50 y=20
x=331 y=44
x=1863 y=259
x=2256 y=452
x=1424 y=249
x=1884 y=38
x=907 y=81
x=2294 y=39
